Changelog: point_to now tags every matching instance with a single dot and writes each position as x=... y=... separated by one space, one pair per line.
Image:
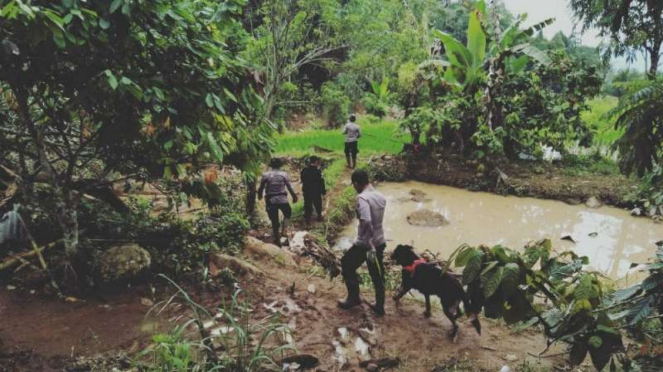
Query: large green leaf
x=534 y=53
x=464 y=255
x=473 y=268
x=578 y=351
x=476 y=40
x=457 y=54
x=493 y=283
x=585 y=289
x=622 y=295
x=510 y=278
x=640 y=310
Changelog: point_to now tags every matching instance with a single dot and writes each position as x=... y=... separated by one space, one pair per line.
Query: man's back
x=312 y=181
x=371 y=204
x=276 y=183
x=352 y=132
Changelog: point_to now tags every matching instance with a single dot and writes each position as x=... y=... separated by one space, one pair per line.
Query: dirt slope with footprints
x=341 y=340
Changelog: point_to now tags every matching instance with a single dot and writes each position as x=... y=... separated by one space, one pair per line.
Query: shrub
x=334 y=105
x=187 y=351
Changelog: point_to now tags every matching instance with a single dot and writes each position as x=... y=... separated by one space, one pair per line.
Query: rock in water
x=123 y=262
x=426 y=218
x=594 y=202
x=417 y=195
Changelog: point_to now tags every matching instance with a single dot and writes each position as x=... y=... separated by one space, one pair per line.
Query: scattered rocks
x=123 y=262
x=573 y=201
x=369 y=336
x=220 y=261
x=146 y=302
x=311 y=288
x=510 y=358
x=260 y=250
x=594 y=202
x=417 y=195
x=380 y=364
x=426 y=218
x=305 y=361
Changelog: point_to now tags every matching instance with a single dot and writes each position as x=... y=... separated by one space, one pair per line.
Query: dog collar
x=414 y=265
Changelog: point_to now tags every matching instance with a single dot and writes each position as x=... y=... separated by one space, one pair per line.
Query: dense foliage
x=578 y=308
x=640 y=115
x=499 y=94
x=141 y=88
x=633 y=26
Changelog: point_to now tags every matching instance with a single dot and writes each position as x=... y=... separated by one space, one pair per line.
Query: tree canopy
x=142 y=88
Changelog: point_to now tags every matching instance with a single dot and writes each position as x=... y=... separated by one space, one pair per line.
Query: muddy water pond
x=610 y=237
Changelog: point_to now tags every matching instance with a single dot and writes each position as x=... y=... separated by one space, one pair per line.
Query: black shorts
x=351 y=148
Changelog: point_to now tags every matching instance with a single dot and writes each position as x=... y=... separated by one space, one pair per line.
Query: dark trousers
x=352 y=260
x=312 y=200
x=273 y=214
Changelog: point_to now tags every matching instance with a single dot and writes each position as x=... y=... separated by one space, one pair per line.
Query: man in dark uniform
x=369 y=246
x=313 y=188
x=275 y=183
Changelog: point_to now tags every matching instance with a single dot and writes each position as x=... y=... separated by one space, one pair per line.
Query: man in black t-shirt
x=313 y=187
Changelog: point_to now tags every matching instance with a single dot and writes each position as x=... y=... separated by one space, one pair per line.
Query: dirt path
x=421 y=344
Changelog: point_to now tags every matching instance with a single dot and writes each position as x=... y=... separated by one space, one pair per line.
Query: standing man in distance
x=313 y=188
x=274 y=183
x=352 y=134
x=369 y=246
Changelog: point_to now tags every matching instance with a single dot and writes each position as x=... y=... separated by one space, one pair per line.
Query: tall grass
x=380 y=137
x=241 y=345
x=605 y=133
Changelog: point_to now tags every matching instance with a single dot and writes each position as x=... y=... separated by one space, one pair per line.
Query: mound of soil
x=427 y=218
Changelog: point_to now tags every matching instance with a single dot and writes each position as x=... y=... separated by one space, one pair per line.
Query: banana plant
x=469 y=63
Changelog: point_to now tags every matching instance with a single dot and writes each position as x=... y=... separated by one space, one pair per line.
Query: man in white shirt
x=369 y=246
x=352 y=134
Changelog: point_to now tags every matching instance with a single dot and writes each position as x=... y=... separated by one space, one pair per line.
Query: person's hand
x=295 y=199
x=259 y=197
x=370 y=255
x=396 y=298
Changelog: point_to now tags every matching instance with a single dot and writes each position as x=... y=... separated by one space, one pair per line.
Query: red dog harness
x=414 y=265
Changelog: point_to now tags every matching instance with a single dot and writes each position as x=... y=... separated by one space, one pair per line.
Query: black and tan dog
x=429 y=279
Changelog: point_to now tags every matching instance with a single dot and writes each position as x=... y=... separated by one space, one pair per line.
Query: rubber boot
x=378 y=307
x=353 y=299
x=354 y=161
x=275 y=234
x=348 y=159
x=285 y=230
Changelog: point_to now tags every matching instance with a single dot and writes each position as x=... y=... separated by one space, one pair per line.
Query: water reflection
x=610 y=237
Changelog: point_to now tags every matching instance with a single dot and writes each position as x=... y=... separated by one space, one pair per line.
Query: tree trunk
x=655 y=58
x=67 y=216
x=251 y=194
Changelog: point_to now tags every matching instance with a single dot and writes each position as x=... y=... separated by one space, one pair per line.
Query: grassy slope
x=381 y=137
x=606 y=134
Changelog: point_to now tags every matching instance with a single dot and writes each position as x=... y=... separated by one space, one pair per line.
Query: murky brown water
x=610 y=237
